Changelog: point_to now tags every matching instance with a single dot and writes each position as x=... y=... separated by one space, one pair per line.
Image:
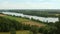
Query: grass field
x=17 y=32
x=25 y=21
x=4 y=32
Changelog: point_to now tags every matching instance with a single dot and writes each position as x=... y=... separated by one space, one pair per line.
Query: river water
x=43 y=19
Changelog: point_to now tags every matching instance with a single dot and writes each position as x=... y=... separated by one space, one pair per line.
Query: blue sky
x=29 y=4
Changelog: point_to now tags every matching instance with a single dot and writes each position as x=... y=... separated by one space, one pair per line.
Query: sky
x=29 y=4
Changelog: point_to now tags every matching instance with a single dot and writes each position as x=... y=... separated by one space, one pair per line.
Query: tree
x=59 y=18
x=12 y=31
x=48 y=30
x=34 y=29
x=57 y=24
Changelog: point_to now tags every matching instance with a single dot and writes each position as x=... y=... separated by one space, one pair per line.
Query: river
x=43 y=19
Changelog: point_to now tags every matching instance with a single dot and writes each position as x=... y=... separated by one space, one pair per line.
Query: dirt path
x=2 y=15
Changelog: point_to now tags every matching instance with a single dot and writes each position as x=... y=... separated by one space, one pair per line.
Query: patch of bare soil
x=2 y=15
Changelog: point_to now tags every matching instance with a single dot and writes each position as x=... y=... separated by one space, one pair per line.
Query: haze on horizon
x=29 y=4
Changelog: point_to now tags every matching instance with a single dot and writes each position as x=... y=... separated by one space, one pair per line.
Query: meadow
x=23 y=21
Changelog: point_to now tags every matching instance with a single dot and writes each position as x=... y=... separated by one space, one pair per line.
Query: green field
x=23 y=21
x=17 y=32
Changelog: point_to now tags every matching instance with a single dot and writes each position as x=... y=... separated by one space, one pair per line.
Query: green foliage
x=43 y=13
x=6 y=24
x=51 y=28
x=48 y=30
x=12 y=25
x=57 y=24
x=34 y=29
x=12 y=31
